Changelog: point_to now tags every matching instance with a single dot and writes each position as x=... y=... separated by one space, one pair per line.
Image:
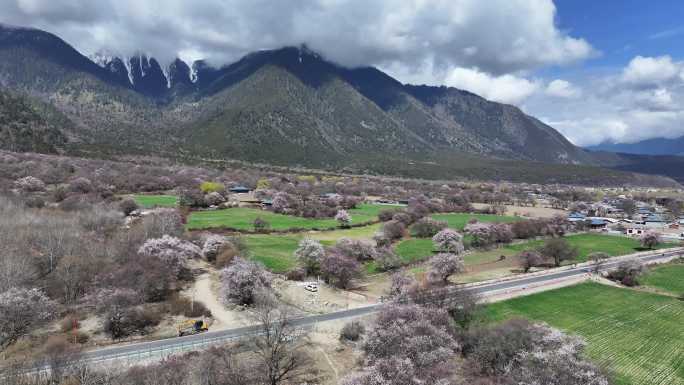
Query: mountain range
x=655 y=146
x=287 y=107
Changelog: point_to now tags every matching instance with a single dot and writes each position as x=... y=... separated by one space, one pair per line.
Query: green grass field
x=458 y=221
x=243 y=218
x=593 y=242
x=274 y=251
x=149 y=201
x=413 y=250
x=586 y=244
x=669 y=278
x=639 y=335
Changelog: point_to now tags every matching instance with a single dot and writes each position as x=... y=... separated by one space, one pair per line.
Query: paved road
x=180 y=343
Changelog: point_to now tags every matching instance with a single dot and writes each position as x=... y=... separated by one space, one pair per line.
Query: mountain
x=288 y=107
x=30 y=126
x=656 y=146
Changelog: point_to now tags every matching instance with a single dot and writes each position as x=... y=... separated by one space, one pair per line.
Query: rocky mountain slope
x=287 y=107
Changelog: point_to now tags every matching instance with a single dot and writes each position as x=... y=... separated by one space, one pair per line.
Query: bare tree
x=598 y=259
x=559 y=250
x=278 y=343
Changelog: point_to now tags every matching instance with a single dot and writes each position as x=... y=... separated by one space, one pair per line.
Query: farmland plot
x=639 y=335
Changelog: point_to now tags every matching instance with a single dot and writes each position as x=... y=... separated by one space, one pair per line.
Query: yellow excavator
x=192 y=327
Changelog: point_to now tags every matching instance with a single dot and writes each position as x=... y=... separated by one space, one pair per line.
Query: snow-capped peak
x=102 y=58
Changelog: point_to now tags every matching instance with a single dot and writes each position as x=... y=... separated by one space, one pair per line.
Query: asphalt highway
x=517 y=285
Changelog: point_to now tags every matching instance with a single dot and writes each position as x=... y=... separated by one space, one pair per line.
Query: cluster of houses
x=606 y=216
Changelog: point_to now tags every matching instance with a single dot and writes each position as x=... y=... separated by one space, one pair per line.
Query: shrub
x=310 y=253
x=356 y=249
x=213 y=199
x=402 y=285
x=30 y=184
x=190 y=198
x=530 y=259
x=403 y=217
x=35 y=202
x=393 y=229
x=427 y=227
x=212 y=187
x=343 y=218
x=172 y=251
x=386 y=214
x=387 y=259
x=22 y=310
x=338 y=269
x=628 y=272
x=381 y=240
x=127 y=206
x=650 y=239
x=212 y=246
x=352 y=331
x=60 y=193
x=449 y=241
x=123 y=323
x=527 y=353
x=260 y=225
x=242 y=280
x=297 y=274
x=81 y=185
x=444 y=265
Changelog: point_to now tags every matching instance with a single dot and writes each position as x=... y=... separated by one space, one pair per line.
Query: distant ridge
x=656 y=146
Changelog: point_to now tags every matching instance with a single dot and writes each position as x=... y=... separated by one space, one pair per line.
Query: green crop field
x=585 y=243
x=149 y=201
x=669 y=278
x=416 y=249
x=274 y=251
x=638 y=335
x=458 y=221
x=592 y=242
x=243 y=219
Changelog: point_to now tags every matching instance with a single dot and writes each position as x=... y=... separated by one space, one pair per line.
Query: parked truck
x=192 y=327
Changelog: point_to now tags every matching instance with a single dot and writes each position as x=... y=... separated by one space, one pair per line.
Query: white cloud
x=641 y=101
x=651 y=70
x=562 y=89
x=589 y=131
x=496 y=36
x=505 y=88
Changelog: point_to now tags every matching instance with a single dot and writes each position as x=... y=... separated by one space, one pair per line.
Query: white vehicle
x=312 y=287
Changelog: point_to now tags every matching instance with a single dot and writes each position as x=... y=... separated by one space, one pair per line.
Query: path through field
x=223 y=318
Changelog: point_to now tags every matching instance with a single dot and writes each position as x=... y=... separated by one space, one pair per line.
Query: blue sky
x=599 y=70
x=610 y=108
x=622 y=28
